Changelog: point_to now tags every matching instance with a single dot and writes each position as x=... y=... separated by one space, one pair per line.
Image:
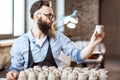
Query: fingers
x=100 y=35
x=11 y=75
x=15 y=75
x=97 y=38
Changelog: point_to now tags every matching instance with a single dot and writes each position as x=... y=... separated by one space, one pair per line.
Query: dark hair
x=37 y=5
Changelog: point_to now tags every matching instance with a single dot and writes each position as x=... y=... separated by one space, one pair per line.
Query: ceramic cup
x=99 y=29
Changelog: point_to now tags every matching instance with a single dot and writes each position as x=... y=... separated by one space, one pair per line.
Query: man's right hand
x=12 y=75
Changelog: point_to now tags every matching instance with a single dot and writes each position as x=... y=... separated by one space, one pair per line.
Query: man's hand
x=96 y=38
x=12 y=75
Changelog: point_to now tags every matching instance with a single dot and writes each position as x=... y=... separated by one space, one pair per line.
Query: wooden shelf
x=5 y=43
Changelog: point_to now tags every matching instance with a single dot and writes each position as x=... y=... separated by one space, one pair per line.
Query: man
x=43 y=45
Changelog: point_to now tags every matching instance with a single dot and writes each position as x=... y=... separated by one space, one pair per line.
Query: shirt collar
x=40 y=41
x=30 y=36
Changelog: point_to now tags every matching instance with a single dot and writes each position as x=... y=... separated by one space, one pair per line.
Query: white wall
x=60 y=14
x=29 y=21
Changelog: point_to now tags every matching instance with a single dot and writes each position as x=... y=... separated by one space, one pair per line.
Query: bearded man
x=43 y=45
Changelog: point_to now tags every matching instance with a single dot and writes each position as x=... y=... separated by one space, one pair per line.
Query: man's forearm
x=86 y=52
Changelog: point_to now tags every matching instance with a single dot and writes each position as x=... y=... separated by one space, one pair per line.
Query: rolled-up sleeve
x=70 y=49
x=78 y=57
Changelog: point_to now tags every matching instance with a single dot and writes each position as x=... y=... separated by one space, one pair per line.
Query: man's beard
x=45 y=27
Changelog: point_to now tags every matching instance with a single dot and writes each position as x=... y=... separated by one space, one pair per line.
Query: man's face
x=44 y=18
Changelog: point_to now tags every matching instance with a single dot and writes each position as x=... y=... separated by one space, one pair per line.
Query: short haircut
x=37 y=5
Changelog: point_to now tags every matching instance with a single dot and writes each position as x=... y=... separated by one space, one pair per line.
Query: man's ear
x=36 y=17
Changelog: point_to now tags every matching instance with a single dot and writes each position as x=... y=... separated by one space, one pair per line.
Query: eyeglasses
x=50 y=15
